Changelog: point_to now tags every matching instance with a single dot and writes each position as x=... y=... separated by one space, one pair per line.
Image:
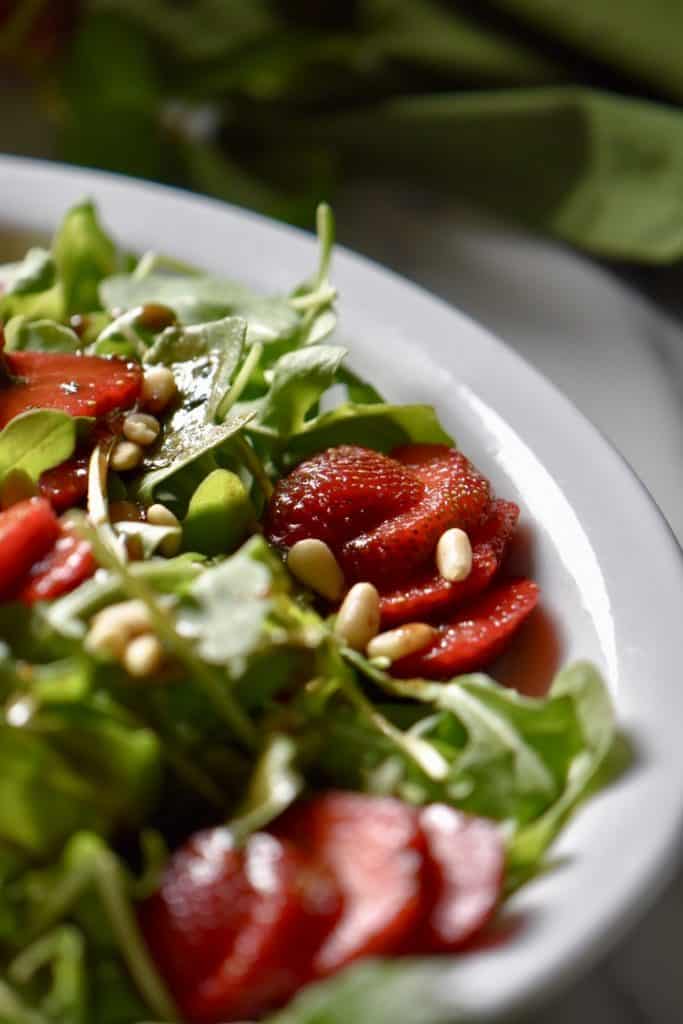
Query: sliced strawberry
x=428 y=592
x=374 y=849
x=337 y=494
x=66 y=485
x=28 y=531
x=465 y=872
x=381 y=516
x=78 y=385
x=64 y=568
x=475 y=635
x=455 y=494
x=234 y=931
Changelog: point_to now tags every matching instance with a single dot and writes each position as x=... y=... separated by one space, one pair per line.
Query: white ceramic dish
x=610 y=571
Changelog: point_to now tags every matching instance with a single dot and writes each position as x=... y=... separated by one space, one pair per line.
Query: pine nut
x=17 y=486
x=143 y=656
x=398 y=643
x=158 y=388
x=141 y=428
x=313 y=563
x=159 y=515
x=358 y=617
x=126 y=455
x=113 y=627
x=454 y=555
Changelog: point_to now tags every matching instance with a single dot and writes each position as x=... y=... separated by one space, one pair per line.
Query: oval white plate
x=610 y=571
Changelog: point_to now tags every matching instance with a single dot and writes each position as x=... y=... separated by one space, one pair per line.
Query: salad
x=250 y=764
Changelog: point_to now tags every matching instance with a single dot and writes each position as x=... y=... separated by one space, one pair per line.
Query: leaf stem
x=254 y=465
x=107 y=875
x=421 y=753
x=240 y=382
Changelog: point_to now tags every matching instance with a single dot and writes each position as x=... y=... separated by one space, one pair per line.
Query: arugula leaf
x=84 y=256
x=379 y=991
x=39 y=336
x=251 y=591
x=72 y=766
x=274 y=785
x=202 y=381
x=375 y=425
x=37 y=272
x=300 y=378
x=522 y=760
x=179 y=344
x=67 y=615
x=221 y=342
x=36 y=441
x=62 y=955
x=199 y=298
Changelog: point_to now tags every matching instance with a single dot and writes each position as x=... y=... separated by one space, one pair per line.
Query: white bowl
x=610 y=571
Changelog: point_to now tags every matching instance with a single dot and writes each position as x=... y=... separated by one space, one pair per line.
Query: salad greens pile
x=100 y=774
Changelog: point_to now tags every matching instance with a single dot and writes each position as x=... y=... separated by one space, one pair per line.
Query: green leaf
x=180 y=344
x=250 y=591
x=220 y=342
x=274 y=785
x=36 y=273
x=378 y=992
x=190 y=432
x=300 y=378
x=378 y=426
x=199 y=298
x=42 y=801
x=22 y=334
x=36 y=441
x=521 y=760
x=84 y=255
x=61 y=955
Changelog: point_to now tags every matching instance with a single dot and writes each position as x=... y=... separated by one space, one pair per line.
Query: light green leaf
x=36 y=441
x=526 y=761
x=274 y=785
x=378 y=992
x=300 y=378
x=199 y=298
x=221 y=341
x=378 y=426
x=84 y=255
x=36 y=273
x=179 y=344
x=183 y=446
x=203 y=380
x=249 y=590
x=22 y=334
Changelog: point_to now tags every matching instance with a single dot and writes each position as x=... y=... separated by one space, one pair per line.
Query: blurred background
x=521 y=158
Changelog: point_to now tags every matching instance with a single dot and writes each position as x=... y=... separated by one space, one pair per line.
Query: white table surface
x=620 y=358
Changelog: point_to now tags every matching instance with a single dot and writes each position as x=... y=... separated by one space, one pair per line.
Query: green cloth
x=561 y=114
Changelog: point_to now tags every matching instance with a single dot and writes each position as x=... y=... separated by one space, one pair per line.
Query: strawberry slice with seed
x=75 y=384
x=28 y=530
x=455 y=494
x=374 y=849
x=68 y=564
x=465 y=873
x=428 y=593
x=337 y=494
x=382 y=516
x=234 y=931
x=475 y=634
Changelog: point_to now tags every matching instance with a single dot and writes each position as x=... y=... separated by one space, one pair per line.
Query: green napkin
x=560 y=115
